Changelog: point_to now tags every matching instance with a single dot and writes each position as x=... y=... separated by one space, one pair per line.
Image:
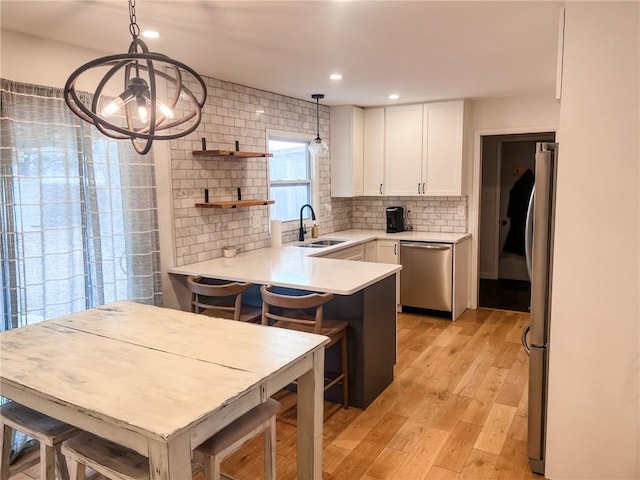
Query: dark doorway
x=508 y=165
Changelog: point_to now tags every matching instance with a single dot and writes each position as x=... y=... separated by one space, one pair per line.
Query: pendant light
x=318 y=147
x=138 y=113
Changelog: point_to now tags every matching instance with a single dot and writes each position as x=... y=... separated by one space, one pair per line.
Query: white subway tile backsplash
x=229 y=116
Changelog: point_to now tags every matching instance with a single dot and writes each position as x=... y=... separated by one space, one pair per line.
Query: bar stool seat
x=229 y=440
x=107 y=458
x=119 y=463
x=49 y=432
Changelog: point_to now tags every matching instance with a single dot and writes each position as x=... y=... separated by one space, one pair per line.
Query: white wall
x=29 y=59
x=594 y=384
x=498 y=116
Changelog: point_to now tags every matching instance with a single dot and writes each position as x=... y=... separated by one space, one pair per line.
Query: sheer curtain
x=78 y=217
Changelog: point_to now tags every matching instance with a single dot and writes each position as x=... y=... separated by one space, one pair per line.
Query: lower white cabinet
x=350 y=253
x=370 y=251
x=387 y=252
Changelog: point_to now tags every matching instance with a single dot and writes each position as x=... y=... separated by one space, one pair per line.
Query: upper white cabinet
x=443 y=130
x=407 y=150
x=346 y=151
x=403 y=150
x=373 y=152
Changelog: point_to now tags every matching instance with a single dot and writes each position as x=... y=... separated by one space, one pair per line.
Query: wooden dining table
x=161 y=381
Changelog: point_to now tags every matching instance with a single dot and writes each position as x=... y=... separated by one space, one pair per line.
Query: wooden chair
x=119 y=463
x=292 y=317
x=49 y=432
x=224 y=301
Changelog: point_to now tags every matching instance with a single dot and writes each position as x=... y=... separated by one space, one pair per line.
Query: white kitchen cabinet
x=374 y=140
x=387 y=252
x=370 y=251
x=347 y=150
x=442 y=165
x=350 y=253
x=403 y=150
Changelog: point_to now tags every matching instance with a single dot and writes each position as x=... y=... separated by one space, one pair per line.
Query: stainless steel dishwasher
x=426 y=278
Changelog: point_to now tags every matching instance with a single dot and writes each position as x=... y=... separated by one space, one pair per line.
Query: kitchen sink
x=327 y=242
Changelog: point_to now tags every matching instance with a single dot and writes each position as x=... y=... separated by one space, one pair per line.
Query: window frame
x=314 y=190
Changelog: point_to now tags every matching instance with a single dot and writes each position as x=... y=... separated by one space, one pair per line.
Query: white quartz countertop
x=298 y=267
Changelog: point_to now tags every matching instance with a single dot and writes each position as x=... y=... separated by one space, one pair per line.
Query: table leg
x=310 y=419
x=172 y=460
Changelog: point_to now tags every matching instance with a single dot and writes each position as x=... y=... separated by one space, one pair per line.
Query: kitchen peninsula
x=365 y=292
x=365 y=296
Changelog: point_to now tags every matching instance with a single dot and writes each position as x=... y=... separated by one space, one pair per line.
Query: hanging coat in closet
x=517 y=211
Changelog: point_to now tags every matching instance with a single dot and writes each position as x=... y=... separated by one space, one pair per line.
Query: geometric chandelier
x=128 y=102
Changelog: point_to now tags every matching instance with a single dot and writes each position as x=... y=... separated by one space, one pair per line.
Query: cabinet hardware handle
x=418 y=188
x=423 y=188
x=395 y=249
x=380 y=189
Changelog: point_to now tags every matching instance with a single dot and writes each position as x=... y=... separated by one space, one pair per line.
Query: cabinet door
x=373 y=152
x=387 y=251
x=347 y=128
x=370 y=251
x=350 y=253
x=443 y=135
x=403 y=150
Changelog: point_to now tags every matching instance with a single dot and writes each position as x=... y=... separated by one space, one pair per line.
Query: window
x=77 y=213
x=290 y=176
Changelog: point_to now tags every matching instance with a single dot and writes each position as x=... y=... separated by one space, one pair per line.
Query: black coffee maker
x=395 y=219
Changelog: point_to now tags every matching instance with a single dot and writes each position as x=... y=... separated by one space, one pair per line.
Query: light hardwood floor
x=457 y=409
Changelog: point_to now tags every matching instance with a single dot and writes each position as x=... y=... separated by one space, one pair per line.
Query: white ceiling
x=423 y=50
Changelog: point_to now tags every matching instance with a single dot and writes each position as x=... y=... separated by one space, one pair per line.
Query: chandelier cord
x=134 y=29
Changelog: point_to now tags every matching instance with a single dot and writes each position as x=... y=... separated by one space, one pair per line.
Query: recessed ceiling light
x=151 y=34
x=394 y=96
x=335 y=76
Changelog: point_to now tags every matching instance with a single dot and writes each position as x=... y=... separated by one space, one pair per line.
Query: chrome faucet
x=303 y=230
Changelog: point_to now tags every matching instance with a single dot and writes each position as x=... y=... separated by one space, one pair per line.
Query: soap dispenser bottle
x=314 y=230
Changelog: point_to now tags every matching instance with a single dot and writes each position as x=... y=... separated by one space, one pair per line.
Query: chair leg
x=5 y=449
x=61 y=463
x=270 y=450
x=212 y=469
x=47 y=462
x=345 y=370
x=76 y=469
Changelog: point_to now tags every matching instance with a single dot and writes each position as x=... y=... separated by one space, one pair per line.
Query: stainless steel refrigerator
x=539 y=256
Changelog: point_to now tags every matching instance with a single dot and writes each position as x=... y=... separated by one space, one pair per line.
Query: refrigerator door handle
x=525 y=344
x=528 y=232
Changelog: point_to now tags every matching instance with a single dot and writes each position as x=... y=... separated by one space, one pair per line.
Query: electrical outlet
x=256 y=221
x=462 y=211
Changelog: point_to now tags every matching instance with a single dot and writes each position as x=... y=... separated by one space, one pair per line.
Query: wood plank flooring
x=457 y=409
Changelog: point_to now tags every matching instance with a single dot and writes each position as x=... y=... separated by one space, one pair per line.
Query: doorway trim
x=474 y=207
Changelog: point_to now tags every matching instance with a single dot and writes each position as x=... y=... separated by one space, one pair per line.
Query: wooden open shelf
x=235 y=203
x=230 y=153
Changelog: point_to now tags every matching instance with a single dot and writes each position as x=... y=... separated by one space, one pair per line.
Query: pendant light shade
x=318 y=147
x=129 y=100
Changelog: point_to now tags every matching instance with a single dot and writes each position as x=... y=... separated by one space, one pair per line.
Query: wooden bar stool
x=107 y=458
x=224 y=301
x=49 y=432
x=119 y=463
x=229 y=440
x=292 y=318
